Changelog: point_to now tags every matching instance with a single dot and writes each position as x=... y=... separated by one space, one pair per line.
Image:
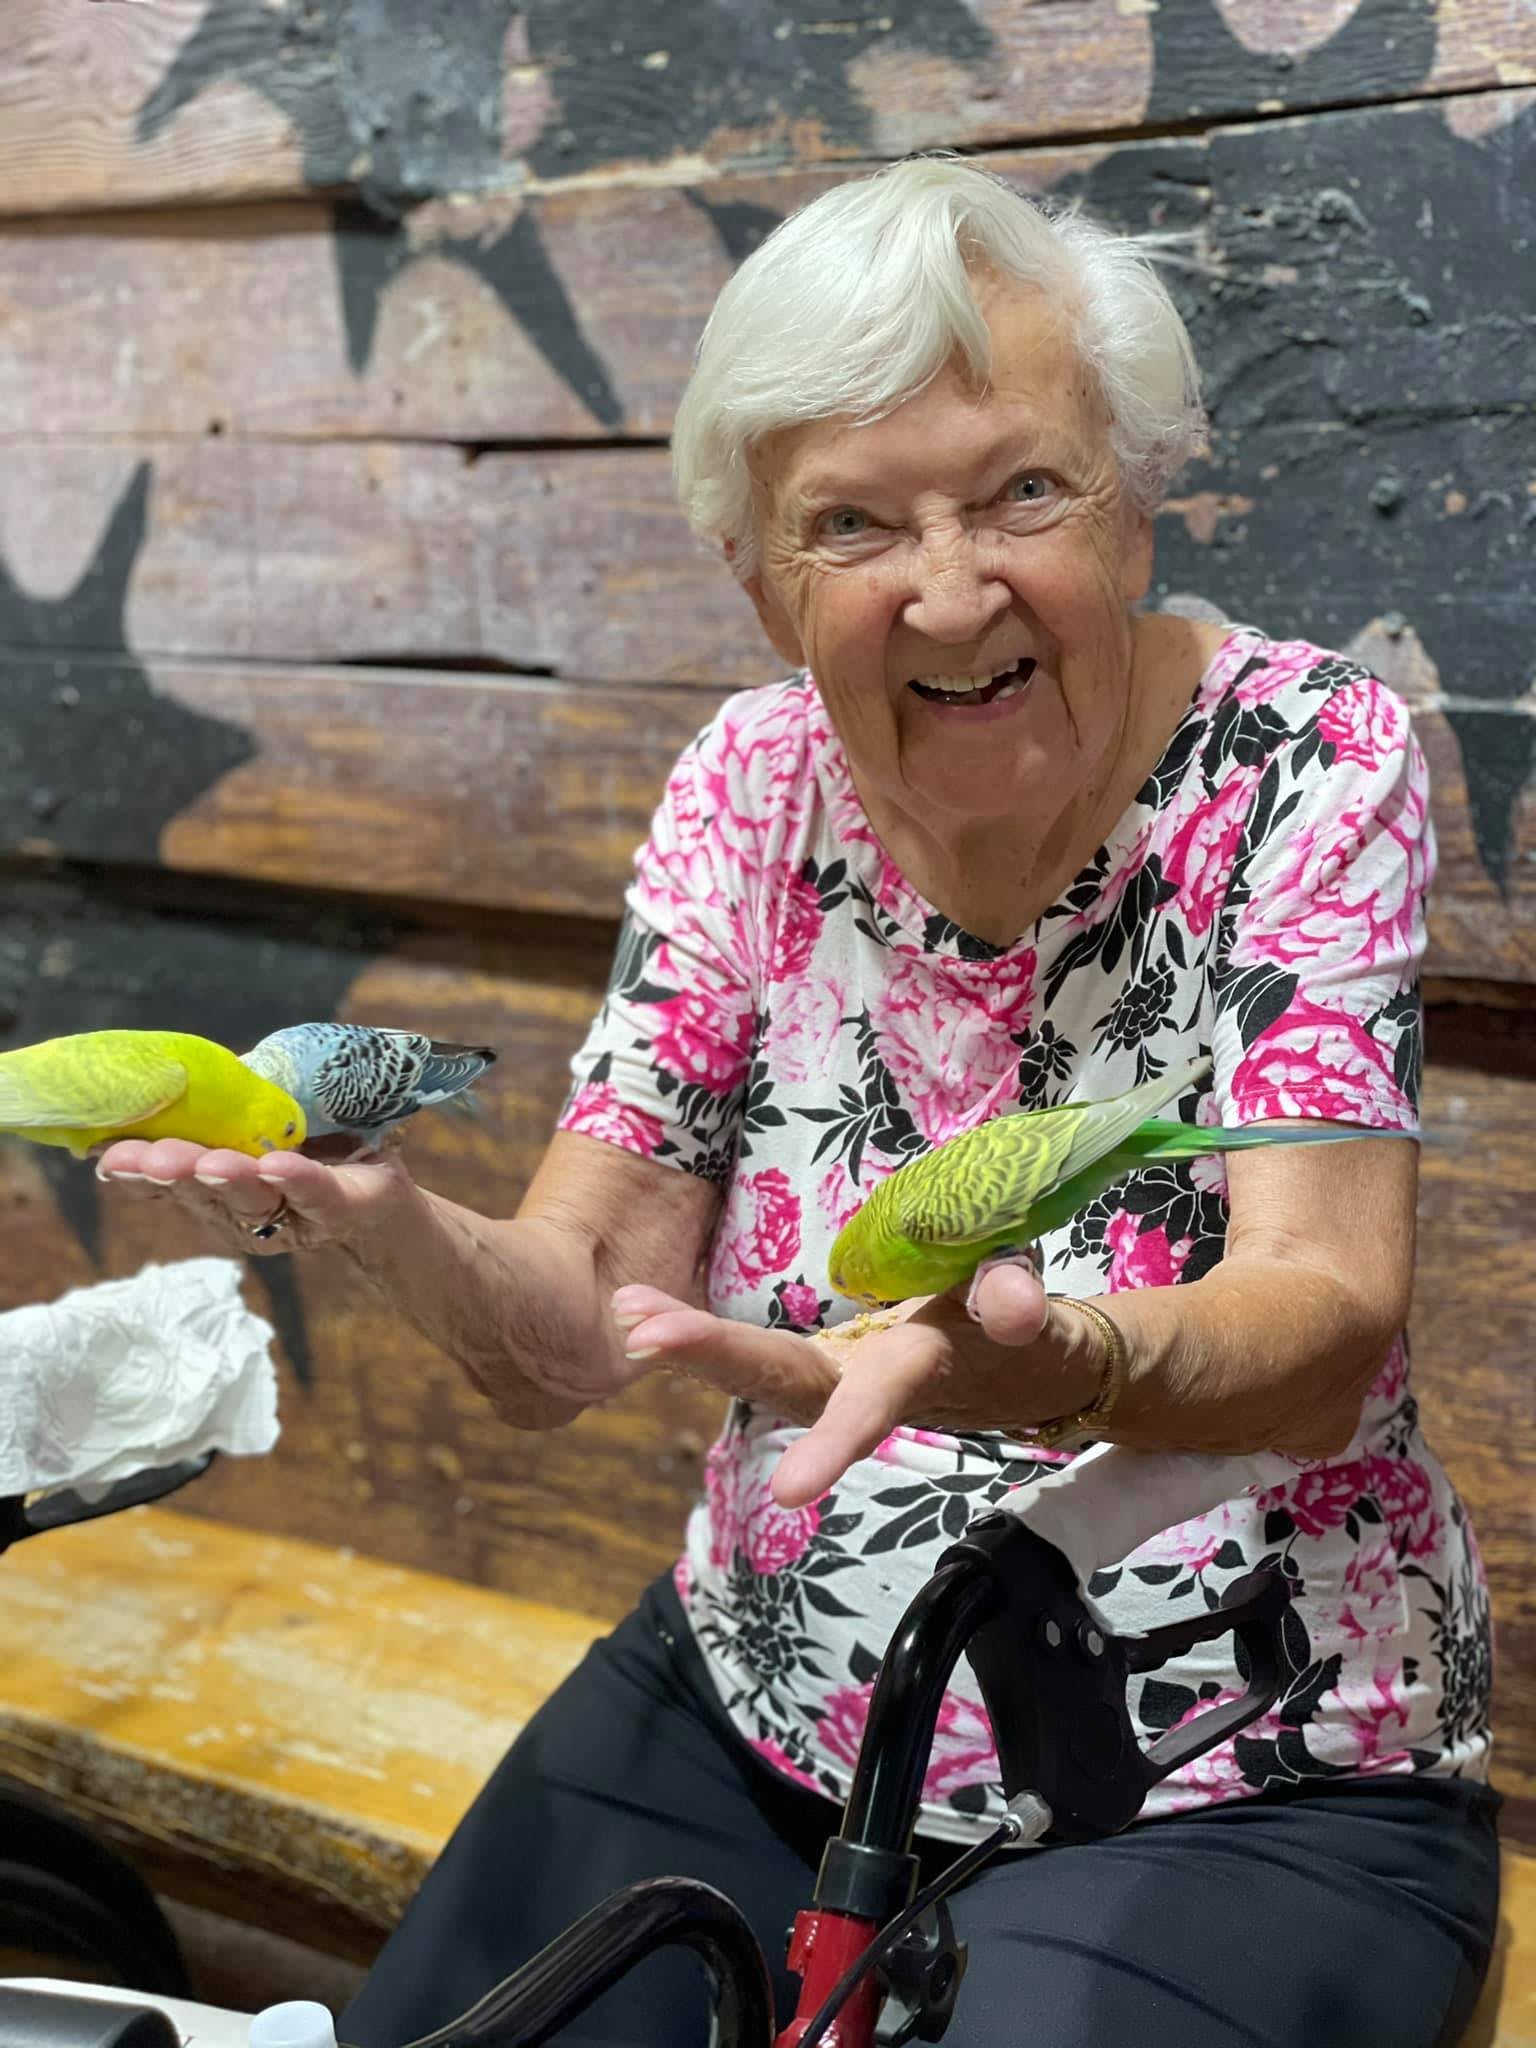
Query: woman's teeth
x=976 y=689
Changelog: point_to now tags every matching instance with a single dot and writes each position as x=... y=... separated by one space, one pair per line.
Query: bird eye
x=289 y=1129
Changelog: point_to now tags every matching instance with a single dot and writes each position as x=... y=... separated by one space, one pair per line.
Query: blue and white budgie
x=359 y=1080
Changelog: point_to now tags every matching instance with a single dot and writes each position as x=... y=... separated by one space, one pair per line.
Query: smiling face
x=957 y=577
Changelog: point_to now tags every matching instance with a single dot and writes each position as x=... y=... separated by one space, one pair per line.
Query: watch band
x=1093 y=1420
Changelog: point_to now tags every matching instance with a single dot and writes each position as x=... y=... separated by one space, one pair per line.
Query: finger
x=122 y=1164
x=332 y=1198
x=864 y=1407
x=1009 y=1301
x=775 y=1368
x=632 y=1305
x=165 y=1161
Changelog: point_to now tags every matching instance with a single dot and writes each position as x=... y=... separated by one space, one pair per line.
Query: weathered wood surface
x=263 y=1720
x=1328 y=293
x=504 y=793
x=184 y=101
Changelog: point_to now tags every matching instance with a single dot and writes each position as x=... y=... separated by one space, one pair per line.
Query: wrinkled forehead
x=1040 y=404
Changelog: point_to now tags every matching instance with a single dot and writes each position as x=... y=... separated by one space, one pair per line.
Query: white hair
x=857 y=301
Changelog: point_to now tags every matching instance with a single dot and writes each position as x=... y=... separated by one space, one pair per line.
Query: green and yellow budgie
x=930 y=1225
x=97 y=1086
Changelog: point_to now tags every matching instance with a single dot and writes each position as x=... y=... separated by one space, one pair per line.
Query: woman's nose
x=956 y=595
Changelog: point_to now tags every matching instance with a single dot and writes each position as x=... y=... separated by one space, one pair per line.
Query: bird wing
x=98 y=1080
x=369 y=1075
x=985 y=1184
x=977 y=1186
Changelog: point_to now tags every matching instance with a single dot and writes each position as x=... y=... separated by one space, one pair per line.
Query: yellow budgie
x=97 y=1086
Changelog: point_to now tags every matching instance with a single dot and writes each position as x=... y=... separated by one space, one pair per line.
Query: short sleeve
x=1317 y=1006
x=662 y=1072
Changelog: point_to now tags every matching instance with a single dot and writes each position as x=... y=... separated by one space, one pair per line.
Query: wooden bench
x=251 y=1717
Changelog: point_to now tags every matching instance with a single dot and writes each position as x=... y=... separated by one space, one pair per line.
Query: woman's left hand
x=1003 y=1358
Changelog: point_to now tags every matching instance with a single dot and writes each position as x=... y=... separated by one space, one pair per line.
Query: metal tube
x=562 y=1980
x=887 y=1781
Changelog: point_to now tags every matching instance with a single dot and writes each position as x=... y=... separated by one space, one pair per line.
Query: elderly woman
x=1005 y=839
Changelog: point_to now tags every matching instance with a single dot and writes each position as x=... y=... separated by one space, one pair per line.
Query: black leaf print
x=1142 y=1009
x=942 y=934
x=830 y=882
x=1278 y=1526
x=903 y=1496
x=827 y=1603
x=1046 y=1057
x=838 y=1525
x=1230 y=1557
x=1163 y=1705
x=1183 y=1589
x=863 y=1665
x=1256 y=997
x=921 y=1522
x=1104 y=1582
x=1155 y=1574
x=871 y=1115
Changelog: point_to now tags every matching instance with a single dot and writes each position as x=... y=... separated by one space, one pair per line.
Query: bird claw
x=1028 y=1256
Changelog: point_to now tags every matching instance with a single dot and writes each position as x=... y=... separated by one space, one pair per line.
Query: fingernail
x=118 y=1173
x=632 y=1322
x=154 y=1177
x=213 y=1180
x=645 y=1351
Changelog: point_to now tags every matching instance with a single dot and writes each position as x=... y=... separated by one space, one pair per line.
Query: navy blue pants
x=1358 y=1916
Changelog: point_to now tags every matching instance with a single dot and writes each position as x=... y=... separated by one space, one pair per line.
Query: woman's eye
x=1032 y=488
x=845 y=523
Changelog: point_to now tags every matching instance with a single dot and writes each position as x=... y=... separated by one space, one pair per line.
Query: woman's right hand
x=314 y=1200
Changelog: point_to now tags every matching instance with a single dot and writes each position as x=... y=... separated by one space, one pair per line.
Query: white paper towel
x=129 y=1374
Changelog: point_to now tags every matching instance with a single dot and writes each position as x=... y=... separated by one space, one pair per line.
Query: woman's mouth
x=976 y=690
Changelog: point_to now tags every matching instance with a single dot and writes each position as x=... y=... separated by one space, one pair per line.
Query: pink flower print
x=1191 y=1545
x=1278 y=671
x=774 y=1538
x=1217 y=1775
x=805 y=1017
x=1143 y=1258
x=1114 y=886
x=1209 y=1173
x=775 y=1754
x=963 y=1750
x=752 y=775
x=1318 y=1062
x=722 y=1496
x=801 y=1305
x=1372 y=1608
x=597 y=1111
x=1407 y=1500
x=1391 y=1383
x=1377 y=1712
x=1347 y=892
x=838 y=1197
x=843 y=1715
x=1319 y=1499
x=759 y=1233
x=688 y=1043
x=1201 y=853
x=800 y=925
x=948 y=1038
x=1364 y=722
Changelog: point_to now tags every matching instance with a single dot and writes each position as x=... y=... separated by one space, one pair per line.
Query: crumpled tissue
x=116 y=1378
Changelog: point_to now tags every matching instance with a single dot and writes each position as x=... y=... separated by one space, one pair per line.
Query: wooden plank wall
x=347 y=627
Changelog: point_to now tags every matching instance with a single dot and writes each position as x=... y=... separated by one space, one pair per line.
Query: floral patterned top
x=789 y=1018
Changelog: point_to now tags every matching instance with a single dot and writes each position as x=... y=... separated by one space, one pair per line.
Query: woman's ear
x=782 y=633
x=1136 y=551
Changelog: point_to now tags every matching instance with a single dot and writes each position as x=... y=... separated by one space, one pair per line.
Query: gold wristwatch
x=1091 y=1421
